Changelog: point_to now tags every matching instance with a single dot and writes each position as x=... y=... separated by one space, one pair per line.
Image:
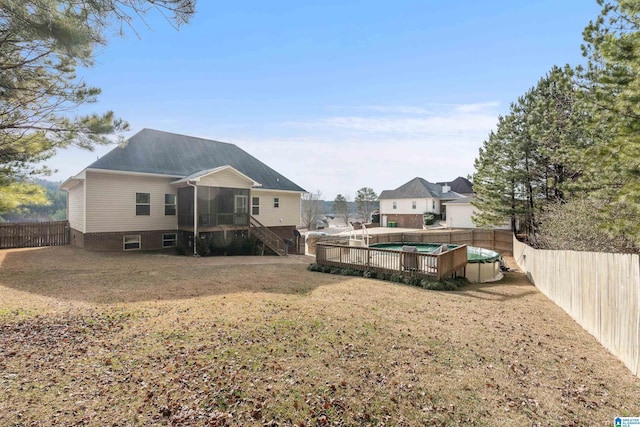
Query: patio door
x=241 y=209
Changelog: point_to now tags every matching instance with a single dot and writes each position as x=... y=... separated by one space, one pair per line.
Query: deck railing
x=268 y=237
x=436 y=266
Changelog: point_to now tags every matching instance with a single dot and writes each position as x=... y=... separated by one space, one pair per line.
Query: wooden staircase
x=267 y=237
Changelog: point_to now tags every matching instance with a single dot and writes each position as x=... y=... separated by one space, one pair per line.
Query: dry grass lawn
x=150 y=339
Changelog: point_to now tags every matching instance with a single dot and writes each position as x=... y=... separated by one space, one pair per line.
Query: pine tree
x=527 y=163
x=42 y=42
x=612 y=85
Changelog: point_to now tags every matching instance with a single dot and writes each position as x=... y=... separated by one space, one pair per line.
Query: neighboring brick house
x=406 y=204
x=161 y=188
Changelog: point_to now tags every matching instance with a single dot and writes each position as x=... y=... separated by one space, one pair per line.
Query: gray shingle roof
x=459 y=185
x=164 y=153
x=419 y=188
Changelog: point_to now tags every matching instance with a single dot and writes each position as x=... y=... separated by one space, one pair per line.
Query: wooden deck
x=436 y=266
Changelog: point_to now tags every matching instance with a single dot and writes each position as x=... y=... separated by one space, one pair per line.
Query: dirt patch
x=140 y=339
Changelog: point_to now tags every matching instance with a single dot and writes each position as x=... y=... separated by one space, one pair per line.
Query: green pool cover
x=474 y=255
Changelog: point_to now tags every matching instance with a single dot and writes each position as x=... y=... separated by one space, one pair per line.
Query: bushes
x=450 y=284
x=208 y=246
x=429 y=218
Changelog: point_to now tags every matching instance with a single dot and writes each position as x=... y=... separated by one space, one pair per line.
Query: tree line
x=313 y=210
x=54 y=210
x=563 y=166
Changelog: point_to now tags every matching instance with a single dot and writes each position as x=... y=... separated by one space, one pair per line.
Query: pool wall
x=477 y=272
x=483 y=265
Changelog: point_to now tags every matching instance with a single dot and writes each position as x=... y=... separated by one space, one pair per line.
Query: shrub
x=181 y=249
x=370 y=274
x=314 y=267
x=412 y=280
x=202 y=246
x=429 y=218
x=396 y=278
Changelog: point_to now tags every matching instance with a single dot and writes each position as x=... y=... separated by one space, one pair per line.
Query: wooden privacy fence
x=33 y=234
x=601 y=291
x=435 y=266
x=497 y=240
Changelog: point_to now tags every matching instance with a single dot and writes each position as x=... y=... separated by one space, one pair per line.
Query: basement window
x=131 y=243
x=169 y=240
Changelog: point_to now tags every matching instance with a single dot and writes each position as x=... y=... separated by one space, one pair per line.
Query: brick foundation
x=76 y=238
x=152 y=240
x=113 y=241
x=406 y=220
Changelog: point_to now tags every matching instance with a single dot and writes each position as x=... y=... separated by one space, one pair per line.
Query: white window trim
x=131 y=239
x=143 y=204
x=165 y=239
x=174 y=204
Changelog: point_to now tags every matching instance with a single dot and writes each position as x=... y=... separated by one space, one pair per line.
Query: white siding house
x=161 y=188
x=111 y=202
x=406 y=205
x=275 y=207
x=460 y=214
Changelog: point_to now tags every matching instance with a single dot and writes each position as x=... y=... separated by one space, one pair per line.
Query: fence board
x=498 y=240
x=33 y=234
x=601 y=291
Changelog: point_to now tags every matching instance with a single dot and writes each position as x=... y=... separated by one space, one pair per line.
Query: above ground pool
x=483 y=265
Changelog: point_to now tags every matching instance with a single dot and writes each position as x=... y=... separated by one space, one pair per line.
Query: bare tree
x=311 y=209
x=367 y=202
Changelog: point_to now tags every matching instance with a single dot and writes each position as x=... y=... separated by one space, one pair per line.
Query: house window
x=276 y=202
x=143 y=203
x=433 y=205
x=413 y=204
x=395 y=205
x=169 y=240
x=170 y=204
x=255 y=206
x=131 y=243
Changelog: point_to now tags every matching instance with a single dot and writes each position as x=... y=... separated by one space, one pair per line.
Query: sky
x=336 y=95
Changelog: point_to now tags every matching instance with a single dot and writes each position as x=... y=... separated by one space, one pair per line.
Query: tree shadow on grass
x=73 y=274
x=511 y=286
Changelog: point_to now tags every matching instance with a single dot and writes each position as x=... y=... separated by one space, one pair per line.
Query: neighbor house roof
x=163 y=153
x=419 y=188
x=465 y=200
x=459 y=185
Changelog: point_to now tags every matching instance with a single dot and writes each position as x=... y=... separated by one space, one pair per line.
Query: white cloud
x=390 y=109
x=375 y=146
x=341 y=154
x=472 y=108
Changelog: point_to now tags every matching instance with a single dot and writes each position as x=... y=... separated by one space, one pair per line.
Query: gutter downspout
x=195 y=216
